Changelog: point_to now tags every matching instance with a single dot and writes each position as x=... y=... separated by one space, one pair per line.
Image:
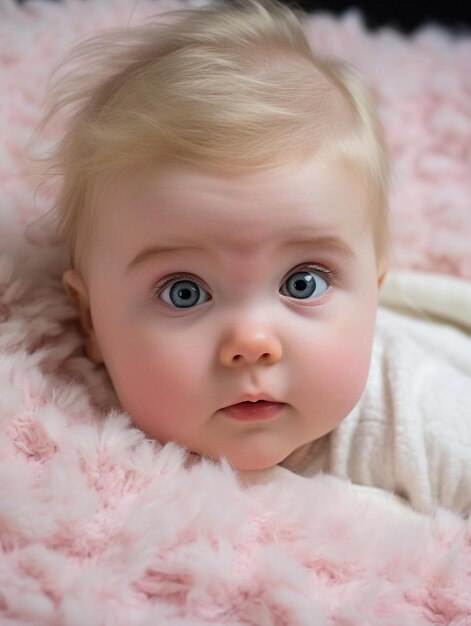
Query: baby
x=224 y=202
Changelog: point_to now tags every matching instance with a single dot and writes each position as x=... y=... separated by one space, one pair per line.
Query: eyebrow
x=326 y=242
x=153 y=251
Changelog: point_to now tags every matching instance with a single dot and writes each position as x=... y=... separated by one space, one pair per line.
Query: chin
x=251 y=453
x=247 y=462
x=241 y=464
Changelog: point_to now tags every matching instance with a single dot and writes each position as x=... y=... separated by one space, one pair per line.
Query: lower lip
x=250 y=411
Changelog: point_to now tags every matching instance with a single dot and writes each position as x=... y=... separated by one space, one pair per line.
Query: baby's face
x=206 y=291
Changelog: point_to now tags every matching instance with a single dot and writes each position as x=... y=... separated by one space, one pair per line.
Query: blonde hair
x=224 y=86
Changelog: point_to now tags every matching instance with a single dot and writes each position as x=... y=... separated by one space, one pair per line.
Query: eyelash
x=329 y=275
x=160 y=286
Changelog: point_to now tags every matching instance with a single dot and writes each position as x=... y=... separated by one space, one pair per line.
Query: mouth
x=254 y=410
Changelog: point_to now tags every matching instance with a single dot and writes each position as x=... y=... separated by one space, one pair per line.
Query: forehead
x=187 y=204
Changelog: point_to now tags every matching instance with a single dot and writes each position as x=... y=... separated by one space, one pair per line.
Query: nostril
x=265 y=356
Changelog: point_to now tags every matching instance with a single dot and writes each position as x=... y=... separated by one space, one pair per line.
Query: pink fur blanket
x=101 y=526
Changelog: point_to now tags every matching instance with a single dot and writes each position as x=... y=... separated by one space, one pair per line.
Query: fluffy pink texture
x=99 y=525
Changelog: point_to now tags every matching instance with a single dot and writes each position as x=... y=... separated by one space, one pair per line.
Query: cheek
x=337 y=367
x=346 y=379
x=155 y=373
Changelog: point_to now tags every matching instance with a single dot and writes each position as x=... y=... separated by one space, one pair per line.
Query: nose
x=249 y=346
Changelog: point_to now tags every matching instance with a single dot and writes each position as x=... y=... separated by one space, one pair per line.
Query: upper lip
x=251 y=397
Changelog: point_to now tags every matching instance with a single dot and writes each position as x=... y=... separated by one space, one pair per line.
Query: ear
x=78 y=294
x=382 y=271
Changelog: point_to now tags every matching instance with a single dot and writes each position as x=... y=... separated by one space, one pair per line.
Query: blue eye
x=305 y=284
x=183 y=294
